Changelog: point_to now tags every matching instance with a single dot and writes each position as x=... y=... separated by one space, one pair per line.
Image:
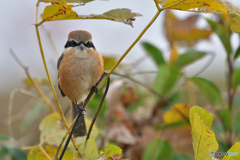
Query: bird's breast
x=78 y=75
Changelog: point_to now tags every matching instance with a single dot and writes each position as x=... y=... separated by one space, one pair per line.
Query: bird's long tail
x=80 y=129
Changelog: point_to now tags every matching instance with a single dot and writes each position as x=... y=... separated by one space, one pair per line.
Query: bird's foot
x=80 y=109
x=95 y=89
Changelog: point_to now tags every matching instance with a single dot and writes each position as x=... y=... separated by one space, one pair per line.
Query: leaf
x=236 y=78
x=87 y=151
x=17 y=154
x=223 y=34
x=237 y=54
x=235 y=23
x=109 y=62
x=174 y=55
x=155 y=53
x=186 y=33
x=35 y=112
x=209 y=89
x=61 y=11
x=206 y=116
x=207 y=6
x=201 y=5
x=233 y=152
x=158 y=149
x=189 y=57
x=4 y=138
x=3 y=151
x=166 y=79
x=225 y=117
x=179 y=156
x=37 y=154
x=178 y=112
x=68 y=1
x=204 y=140
x=52 y=132
x=110 y=152
x=236 y=123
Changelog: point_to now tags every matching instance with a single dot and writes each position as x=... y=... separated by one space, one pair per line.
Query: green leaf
x=87 y=151
x=225 y=117
x=236 y=78
x=236 y=123
x=4 y=138
x=179 y=156
x=223 y=146
x=206 y=116
x=3 y=151
x=237 y=54
x=154 y=52
x=17 y=154
x=209 y=89
x=111 y=151
x=68 y=1
x=223 y=34
x=35 y=112
x=235 y=149
x=166 y=79
x=158 y=149
x=189 y=57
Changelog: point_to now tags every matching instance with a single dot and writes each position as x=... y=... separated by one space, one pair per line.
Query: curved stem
x=51 y=84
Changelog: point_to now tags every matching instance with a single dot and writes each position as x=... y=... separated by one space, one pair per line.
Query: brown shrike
x=79 y=68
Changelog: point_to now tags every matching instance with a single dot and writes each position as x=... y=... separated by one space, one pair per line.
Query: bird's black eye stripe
x=89 y=44
x=72 y=43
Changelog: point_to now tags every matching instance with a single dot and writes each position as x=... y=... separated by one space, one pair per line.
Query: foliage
x=147 y=124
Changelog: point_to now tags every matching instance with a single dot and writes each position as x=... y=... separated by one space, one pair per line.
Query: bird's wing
x=58 y=65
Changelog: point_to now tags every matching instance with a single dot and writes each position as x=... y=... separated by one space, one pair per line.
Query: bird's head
x=79 y=41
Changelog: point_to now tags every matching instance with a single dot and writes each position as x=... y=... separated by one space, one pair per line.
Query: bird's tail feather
x=80 y=129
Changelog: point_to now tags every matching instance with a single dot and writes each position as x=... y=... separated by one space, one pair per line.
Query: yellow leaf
x=59 y=11
x=174 y=54
x=204 y=140
x=37 y=154
x=178 y=112
x=186 y=33
x=52 y=132
x=235 y=149
x=201 y=5
x=206 y=116
x=109 y=62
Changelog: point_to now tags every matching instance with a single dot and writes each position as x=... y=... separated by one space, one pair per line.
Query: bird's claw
x=80 y=110
x=95 y=89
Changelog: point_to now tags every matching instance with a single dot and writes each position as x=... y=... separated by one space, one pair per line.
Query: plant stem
x=230 y=96
x=51 y=84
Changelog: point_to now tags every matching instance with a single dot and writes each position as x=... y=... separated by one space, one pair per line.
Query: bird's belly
x=75 y=82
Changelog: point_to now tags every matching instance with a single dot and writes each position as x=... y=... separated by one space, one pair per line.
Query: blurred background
x=111 y=39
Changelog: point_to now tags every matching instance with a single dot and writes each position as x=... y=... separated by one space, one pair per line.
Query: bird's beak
x=81 y=46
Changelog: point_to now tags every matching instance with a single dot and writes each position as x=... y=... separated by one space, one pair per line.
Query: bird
x=80 y=67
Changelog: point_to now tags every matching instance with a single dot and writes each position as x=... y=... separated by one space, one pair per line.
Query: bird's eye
x=88 y=44
x=70 y=43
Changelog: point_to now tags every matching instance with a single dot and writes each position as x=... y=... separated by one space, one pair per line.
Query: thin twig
x=230 y=96
x=207 y=65
x=78 y=116
x=34 y=82
x=99 y=107
x=10 y=105
x=51 y=84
